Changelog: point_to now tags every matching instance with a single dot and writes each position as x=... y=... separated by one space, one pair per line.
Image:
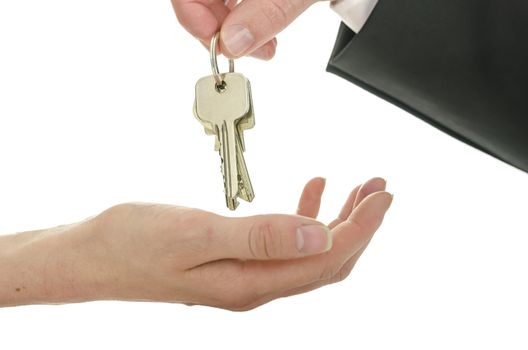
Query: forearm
x=49 y=266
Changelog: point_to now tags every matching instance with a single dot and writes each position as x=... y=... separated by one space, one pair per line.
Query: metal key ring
x=214 y=62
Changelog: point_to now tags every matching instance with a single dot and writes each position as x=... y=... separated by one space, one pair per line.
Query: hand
x=247 y=28
x=154 y=252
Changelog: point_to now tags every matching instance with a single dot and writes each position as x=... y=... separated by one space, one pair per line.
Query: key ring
x=220 y=83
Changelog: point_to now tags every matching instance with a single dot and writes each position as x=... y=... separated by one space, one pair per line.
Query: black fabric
x=460 y=65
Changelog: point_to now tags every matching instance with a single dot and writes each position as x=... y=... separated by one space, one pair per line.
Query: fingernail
x=374 y=185
x=388 y=205
x=237 y=39
x=314 y=239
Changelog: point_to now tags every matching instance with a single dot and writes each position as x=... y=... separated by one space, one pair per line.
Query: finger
x=356 y=196
x=376 y=184
x=254 y=22
x=349 y=265
x=310 y=201
x=201 y=18
x=269 y=237
x=261 y=281
x=348 y=239
x=266 y=51
x=347 y=208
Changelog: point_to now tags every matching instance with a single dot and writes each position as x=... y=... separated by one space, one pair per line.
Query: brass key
x=247 y=122
x=223 y=106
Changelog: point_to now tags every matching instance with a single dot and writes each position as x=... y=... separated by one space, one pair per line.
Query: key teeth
x=243 y=192
x=231 y=203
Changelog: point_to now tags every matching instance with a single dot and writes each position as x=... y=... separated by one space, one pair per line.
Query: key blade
x=245 y=188
x=227 y=136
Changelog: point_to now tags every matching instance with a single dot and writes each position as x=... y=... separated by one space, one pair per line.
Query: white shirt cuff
x=354 y=13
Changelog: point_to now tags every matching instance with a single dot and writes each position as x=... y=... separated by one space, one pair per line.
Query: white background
x=96 y=109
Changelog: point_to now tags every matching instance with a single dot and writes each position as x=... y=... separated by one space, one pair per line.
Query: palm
x=261 y=281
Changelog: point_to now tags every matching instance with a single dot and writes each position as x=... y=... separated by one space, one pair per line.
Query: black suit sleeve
x=460 y=65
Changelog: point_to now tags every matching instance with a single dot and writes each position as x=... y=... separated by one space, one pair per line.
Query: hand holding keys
x=223 y=105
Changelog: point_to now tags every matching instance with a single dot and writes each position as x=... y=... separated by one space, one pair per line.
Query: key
x=245 y=123
x=220 y=109
x=248 y=122
x=224 y=107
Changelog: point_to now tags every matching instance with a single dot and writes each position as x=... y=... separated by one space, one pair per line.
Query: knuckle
x=190 y=231
x=243 y=300
x=189 y=219
x=280 y=12
x=246 y=307
x=240 y=308
x=182 y=12
x=181 y=18
x=356 y=224
x=341 y=275
x=240 y=301
x=265 y=241
x=344 y=271
x=277 y=12
x=117 y=210
x=329 y=272
x=121 y=212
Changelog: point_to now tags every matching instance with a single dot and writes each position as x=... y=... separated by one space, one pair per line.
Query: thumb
x=272 y=237
x=253 y=23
